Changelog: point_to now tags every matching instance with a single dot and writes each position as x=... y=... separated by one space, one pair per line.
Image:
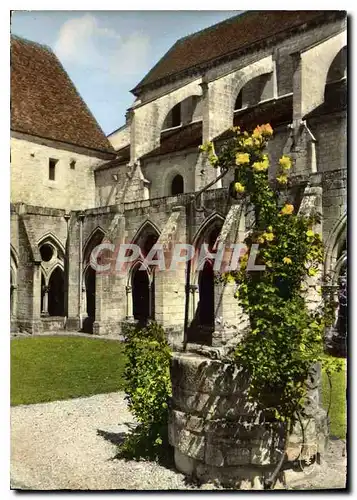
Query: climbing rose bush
x=285 y=338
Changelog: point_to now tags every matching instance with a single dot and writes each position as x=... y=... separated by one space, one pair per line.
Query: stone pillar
x=193 y=302
x=44 y=311
x=129 y=303
x=74 y=276
x=230 y=319
x=13 y=302
x=36 y=298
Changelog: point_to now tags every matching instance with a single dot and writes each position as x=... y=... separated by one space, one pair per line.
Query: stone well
x=217 y=434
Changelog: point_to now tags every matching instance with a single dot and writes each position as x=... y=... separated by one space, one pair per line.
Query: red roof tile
x=231 y=36
x=44 y=101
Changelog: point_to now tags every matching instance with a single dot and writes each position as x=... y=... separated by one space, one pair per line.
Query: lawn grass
x=338 y=409
x=63 y=367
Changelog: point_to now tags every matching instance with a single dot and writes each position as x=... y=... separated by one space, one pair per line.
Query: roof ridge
x=210 y=44
x=32 y=42
x=225 y=21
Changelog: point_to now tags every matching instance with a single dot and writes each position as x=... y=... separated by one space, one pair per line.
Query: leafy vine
x=286 y=336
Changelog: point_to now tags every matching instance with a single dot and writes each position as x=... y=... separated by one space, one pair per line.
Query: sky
x=107 y=53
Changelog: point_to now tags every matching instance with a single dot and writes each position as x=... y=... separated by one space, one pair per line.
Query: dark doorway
x=11 y=292
x=177 y=185
x=56 y=293
x=43 y=286
x=90 y=292
x=141 y=295
x=206 y=295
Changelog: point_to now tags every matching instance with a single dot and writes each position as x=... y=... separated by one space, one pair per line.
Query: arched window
x=177 y=185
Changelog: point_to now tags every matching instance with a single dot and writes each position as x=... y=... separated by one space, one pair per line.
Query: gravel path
x=71 y=444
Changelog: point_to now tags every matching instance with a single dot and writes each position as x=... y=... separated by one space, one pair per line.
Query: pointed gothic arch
x=214 y=220
x=146 y=237
x=94 y=239
x=51 y=239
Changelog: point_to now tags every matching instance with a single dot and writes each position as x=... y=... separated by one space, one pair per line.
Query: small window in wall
x=176 y=115
x=177 y=185
x=52 y=169
x=72 y=164
x=239 y=101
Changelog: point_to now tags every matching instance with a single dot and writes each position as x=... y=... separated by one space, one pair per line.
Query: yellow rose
x=235 y=129
x=310 y=233
x=287 y=210
x=239 y=187
x=269 y=236
x=282 y=179
x=263 y=130
x=242 y=158
x=257 y=134
x=287 y=260
x=261 y=166
x=248 y=142
x=260 y=239
x=285 y=162
x=270 y=229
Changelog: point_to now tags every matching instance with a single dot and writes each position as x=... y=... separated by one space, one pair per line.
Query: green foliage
x=286 y=338
x=148 y=389
x=334 y=399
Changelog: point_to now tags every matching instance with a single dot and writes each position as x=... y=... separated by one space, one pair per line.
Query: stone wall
x=161 y=170
x=218 y=433
x=121 y=137
x=72 y=189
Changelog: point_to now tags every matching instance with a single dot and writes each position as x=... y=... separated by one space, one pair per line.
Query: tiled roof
x=231 y=36
x=335 y=100
x=123 y=157
x=188 y=136
x=275 y=111
x=44 y=101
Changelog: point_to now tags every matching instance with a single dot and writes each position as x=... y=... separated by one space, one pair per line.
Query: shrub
x=148 y=389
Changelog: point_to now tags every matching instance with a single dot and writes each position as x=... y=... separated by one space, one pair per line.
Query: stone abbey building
x=72 y=187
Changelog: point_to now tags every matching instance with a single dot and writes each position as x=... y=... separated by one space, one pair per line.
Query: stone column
x=36 y=298
x=129 y=303
x=193 y=302
x=44 y=311
x=13 y=304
